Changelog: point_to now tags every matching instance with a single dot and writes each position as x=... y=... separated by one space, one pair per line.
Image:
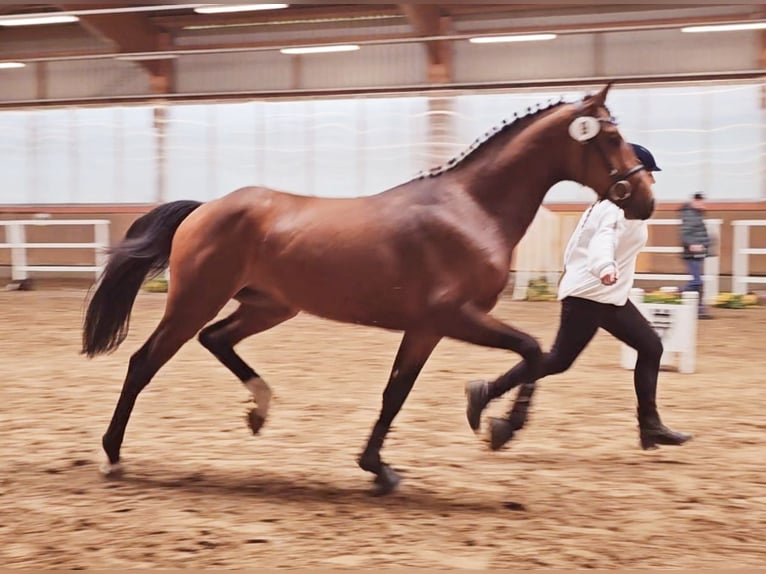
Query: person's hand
x=609 y=276
x=696 y=248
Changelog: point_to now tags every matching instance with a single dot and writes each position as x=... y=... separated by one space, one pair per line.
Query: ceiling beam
x=428 y=20
x=132 y=32
x=303 y=15
x=378 y=39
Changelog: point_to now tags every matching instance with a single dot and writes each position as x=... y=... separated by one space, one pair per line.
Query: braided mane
x=505 y=127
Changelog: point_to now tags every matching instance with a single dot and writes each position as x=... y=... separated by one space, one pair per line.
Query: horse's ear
x=593 y=101
x=599 y=98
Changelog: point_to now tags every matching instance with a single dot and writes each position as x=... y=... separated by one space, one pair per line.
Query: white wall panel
x=16 y=161
x=93 y=78
x=370 y=66
x=675 y=52
x=565 y=56
x=207 y=73
x=18 y=83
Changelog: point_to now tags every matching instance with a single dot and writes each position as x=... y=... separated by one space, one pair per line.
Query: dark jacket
x=693 y=231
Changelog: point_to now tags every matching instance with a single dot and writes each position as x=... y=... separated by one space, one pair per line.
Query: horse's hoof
x=111 y=470
x=387 y=480
x=255 y=421
x=501 y=431
x=476 y=396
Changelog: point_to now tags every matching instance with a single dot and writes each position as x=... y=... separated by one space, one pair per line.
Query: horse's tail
x=143 y=252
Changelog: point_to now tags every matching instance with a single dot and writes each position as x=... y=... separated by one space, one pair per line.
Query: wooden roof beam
x=428 y=20
x=294 y=15
x=132 y=32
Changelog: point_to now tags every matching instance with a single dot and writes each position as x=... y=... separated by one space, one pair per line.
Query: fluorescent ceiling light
x=222 y=9
x=726 y=27
x=37 y=20
x=10 y=65
x=320 y=49
x=515 y=38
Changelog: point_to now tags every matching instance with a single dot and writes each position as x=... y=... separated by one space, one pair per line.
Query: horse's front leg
x=472 y=325
x=502 y=429
x=413 y=353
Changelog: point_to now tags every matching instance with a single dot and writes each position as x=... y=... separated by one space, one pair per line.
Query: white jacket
x=603 y=237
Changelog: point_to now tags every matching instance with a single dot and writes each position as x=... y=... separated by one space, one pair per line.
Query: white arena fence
x=16 y=241
x=539 y=254
x=712 y=265
x=741 y=252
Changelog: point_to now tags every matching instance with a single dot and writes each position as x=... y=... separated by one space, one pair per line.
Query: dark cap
x=699 y=195
x=645 y=157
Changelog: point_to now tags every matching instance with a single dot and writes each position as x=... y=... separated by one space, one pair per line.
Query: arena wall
x=121 y=216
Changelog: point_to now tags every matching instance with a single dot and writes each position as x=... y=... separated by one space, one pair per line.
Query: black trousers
x=580 y=319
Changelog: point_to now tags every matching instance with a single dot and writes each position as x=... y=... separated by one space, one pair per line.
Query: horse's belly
x=383 y=300
x=397 y=309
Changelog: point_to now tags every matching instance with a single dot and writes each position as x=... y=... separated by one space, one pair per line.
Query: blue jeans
x=694 y=268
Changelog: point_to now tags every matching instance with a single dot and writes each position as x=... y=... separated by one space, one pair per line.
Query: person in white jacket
x=599 y=265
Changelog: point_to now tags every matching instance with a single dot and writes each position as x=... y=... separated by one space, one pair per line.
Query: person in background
x=696 y=246
x=599 y=266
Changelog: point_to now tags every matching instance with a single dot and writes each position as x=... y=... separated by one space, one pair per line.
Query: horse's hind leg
x=185 y=314
x=253 y=316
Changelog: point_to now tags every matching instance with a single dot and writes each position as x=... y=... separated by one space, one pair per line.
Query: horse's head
x=604 y=161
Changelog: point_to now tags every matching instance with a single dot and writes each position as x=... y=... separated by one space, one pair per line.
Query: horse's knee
x=207 y=338
x=531 y=351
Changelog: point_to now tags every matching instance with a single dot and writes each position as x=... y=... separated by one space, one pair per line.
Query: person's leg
x=696 y=269
x=627 y=324
x=578 y=324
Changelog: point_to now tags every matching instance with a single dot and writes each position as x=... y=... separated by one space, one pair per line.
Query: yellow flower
x=750 y=299
x=724 y=298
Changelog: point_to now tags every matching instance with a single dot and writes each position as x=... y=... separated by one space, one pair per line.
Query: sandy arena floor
x=573 y=491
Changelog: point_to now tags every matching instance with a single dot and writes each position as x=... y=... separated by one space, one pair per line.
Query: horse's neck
x=512 y=185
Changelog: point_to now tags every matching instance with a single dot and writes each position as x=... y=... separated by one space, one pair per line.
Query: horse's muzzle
x=642 y=211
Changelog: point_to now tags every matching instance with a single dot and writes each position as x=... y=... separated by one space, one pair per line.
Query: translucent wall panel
x=708 y=138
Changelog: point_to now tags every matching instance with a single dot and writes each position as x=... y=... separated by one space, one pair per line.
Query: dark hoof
x=476 y=395
x=501 y=431
x=255 y=421
x=387 y=480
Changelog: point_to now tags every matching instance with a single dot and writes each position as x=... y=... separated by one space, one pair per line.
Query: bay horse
x=428 y=258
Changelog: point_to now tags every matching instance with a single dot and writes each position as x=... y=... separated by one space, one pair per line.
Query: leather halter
x=620 y=188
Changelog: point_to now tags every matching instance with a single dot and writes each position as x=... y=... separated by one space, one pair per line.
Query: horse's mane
x=518 y=122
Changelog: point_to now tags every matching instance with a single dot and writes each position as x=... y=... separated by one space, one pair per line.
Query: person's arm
x=602 y=246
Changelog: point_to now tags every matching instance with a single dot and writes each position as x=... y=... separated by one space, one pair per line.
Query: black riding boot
x=654 y=433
